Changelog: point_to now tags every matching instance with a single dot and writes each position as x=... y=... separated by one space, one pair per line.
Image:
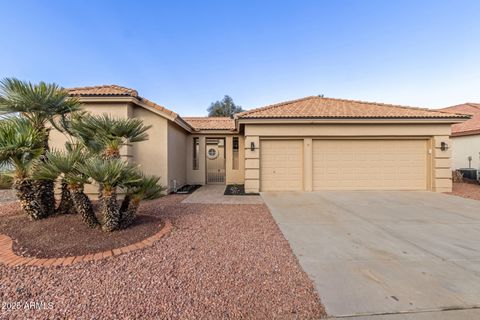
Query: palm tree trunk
x=110 y=209
x=129 y=215
x=66 y=205
x=45 y=189
x=45 y=195
x=83 y=205
x=125 y=203
x=28 y=199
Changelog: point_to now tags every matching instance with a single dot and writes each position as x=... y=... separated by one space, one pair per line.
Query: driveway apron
x=374 y=253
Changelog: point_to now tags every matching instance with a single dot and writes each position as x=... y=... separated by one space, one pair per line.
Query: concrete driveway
x=376 y=253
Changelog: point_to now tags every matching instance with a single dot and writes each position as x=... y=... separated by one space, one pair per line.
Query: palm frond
x=110 y=173
x=103 y=132
x=38 y=103
x=20 y=144
x=62 y=163
x=148 y=187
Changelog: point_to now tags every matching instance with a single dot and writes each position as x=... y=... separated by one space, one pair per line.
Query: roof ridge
x=205 y=117
x=462 y=105
x=129 y=91
x=268 y=107
x=388 y=105
x=102 y=86
x=271 y=106
x=474 y=105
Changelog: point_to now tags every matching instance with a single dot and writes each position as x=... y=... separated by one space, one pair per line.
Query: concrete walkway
x=213 y=194
x=467 y=314
x=371 y=253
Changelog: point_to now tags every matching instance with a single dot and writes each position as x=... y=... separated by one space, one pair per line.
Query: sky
x=185 y=55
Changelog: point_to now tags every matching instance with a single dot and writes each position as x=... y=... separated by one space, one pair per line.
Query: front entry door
x=215 y=159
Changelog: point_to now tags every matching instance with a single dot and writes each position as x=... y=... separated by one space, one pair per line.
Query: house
x=309 y=144
x=466 y=137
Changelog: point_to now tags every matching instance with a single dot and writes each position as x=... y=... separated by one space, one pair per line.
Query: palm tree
x=63 y=164
x=107 y=135
x=41 y=104
x=147 y=188
x=20 y=146
x=110 y=174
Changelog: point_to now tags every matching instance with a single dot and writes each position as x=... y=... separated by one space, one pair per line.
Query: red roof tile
x=210 y=123
x=320 y=107
x=113 y=90
x=103 y=90
x=469 y=127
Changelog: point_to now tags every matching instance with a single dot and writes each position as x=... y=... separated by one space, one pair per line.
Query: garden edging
x=10 y=258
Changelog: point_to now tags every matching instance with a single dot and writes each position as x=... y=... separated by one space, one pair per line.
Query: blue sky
x=186 y=54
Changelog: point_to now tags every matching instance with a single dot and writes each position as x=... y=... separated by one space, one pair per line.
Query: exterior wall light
x=443 y=146
x=252 y=146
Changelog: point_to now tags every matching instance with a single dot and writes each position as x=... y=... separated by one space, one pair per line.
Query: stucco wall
x=462 y=148
x=152 y=155
x=177 y=157
x=235 y=176
x=195 y=176
x=439 y=177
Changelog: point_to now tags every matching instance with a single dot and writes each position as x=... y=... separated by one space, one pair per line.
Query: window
x=196 y=151
x=212 y=154
x=235 y=153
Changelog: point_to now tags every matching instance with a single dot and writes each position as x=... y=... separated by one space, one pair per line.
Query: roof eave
x=351 y=120
x=475 y=132
x=129 y=99
x=215 y=131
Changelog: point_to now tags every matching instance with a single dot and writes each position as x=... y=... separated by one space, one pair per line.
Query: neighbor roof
x=210 y=123
x=113 y=90
x=469 y=127
x=320 y=107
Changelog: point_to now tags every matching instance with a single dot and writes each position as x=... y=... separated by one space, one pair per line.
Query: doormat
x=237 y=190
x=188 y=188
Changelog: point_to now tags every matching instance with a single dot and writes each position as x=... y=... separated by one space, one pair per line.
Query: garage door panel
x=369 y=165
x=281 y=165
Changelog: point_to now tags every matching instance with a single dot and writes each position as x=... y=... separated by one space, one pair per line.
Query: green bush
x=5 y=180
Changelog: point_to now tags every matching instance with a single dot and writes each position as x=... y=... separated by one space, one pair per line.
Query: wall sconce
x=443 y=146
x=252 y=146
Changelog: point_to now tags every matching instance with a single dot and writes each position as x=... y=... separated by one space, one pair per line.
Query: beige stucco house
x=466 y=137
x=309 y=144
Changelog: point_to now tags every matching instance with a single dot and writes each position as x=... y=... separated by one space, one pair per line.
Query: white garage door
x=281 y=165
x=369 y=164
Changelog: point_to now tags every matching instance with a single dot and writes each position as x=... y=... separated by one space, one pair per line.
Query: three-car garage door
x=355 y=164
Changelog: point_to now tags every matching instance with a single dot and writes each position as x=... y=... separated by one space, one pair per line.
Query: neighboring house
x=466 y=137
x=308 y=144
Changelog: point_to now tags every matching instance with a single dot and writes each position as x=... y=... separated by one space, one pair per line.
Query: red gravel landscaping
x=68 y=235
x=466 y=190
x=219 y=262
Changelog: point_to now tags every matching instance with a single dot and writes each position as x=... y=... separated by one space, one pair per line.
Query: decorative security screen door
x=215 y=159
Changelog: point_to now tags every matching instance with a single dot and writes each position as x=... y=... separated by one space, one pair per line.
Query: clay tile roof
x=104 y=90
x=320 y=107
x=210 y=123
x=469 y=127
x=114 y=90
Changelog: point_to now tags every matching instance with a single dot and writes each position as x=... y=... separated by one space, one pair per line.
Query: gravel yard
x=67 y=235
x=7 y=195
x=219 y=262
x=466 y=190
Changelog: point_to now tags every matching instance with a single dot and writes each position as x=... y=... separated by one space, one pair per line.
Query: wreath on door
x=212 y=153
